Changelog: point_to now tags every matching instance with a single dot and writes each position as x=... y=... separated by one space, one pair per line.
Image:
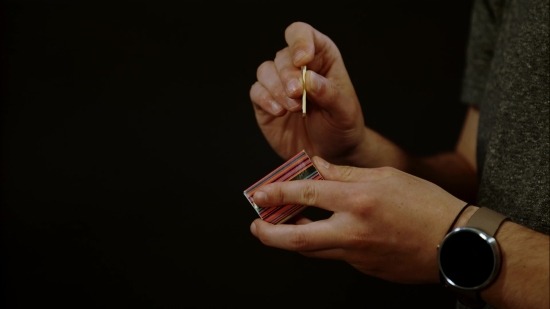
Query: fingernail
x=292 y=86
x=314 y=81
x=275 y=107
x=253 y=228
x=299 y=55
x=292 y=103
x=322 y=162
x=259 y=197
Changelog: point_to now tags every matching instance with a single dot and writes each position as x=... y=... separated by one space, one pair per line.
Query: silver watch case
x=491 y=242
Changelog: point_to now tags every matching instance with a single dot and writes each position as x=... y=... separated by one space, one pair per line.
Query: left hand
x=334 y=127
x=386 y=223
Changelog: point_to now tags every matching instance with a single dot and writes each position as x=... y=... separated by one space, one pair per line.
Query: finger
x=269 y=78
x=299 y=37
x=310 y=47
x=298 y=220
x=345 y=173
x=333 y=98
x=302 y=220
x=264 y=102
x=328 y=195
x=290 y=76
x=336 y=95
x=315 y=236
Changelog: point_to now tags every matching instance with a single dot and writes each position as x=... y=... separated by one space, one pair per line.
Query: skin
x=334 y=128
x=334 y=119
x=365 y=202
x=386 y=221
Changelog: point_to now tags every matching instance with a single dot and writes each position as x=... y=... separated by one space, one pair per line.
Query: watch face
x=467 y=258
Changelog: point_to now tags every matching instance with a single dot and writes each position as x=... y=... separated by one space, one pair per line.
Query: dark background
x=128 y=137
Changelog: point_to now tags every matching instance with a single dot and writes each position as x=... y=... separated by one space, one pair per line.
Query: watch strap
x=486 y=220
x=470 y=299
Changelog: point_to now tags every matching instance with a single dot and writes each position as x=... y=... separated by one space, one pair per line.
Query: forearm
x=376 y=150
x=449 y=170
x=524 y=277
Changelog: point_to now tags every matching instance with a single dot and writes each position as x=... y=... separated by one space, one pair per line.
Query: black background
x=128 y=137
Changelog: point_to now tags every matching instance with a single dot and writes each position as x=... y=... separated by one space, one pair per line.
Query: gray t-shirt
x=507 y=77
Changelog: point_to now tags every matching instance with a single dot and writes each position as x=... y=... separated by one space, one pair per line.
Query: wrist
x=465 y=216
x=377 y=151
x=469 y=256
x=360 y=154
x=524 y=274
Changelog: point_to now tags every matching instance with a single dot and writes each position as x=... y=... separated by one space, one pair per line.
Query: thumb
x=338 y=172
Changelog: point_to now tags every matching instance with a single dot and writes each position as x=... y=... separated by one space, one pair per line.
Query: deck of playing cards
x=298 y=167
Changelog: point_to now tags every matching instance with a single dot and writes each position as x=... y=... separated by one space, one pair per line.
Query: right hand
x=385 y=223
x=334 y=127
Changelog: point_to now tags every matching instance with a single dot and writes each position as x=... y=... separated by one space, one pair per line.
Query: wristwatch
x=469 y=257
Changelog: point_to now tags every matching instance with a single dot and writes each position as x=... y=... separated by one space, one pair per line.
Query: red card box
x=298 y=167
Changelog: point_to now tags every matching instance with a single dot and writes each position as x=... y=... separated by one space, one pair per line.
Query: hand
x=386 y=223
x=334 y=127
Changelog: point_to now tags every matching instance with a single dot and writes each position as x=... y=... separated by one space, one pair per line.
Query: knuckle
x=358 y=240
x=281 y=56
x=355 y=200
x=277 y=196
x=363 y=205
x=254 y=93
x=281 y=53
x=286 y=74
x=278 y=94
x=263 y=68
x=264 y=101
x=309 y=195
x=364 y=210
x=346 y=172
x=293 y=27
x=332 y=90
x=298 y=241
x=386 y=171
x=253 y=90
x=258 y=95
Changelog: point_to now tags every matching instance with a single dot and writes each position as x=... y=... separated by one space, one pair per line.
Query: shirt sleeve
x=480 y=49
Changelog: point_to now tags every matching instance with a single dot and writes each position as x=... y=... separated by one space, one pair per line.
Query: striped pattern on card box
x=298 y=167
